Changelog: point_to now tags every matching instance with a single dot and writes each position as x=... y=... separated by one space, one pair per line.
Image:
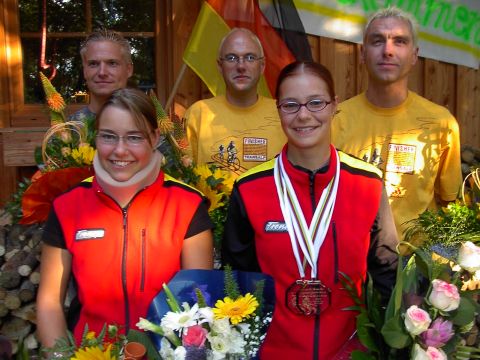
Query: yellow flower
x=203 y=171
x=90 y=335
x=93 y=353
x=213 y=196
x=83 y=154
x=227 y=184
x=237 y=310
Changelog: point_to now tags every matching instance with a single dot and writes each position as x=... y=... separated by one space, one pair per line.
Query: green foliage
x=466 y=353
x=449 y=226
x=65 y=347
x=370 y=319
x=259 y=287
x=22 y=352
x=219 y=216
x=231 y=286
x=171 y=301
x=201 y=299
x=14 y=206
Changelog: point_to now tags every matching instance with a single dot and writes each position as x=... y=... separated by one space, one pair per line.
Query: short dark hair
x=310 y=67
x=138 y=104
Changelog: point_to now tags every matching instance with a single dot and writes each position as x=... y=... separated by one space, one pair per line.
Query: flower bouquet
x=431 y=308
x=107 y=345
x=211 y=314
x=64 y=159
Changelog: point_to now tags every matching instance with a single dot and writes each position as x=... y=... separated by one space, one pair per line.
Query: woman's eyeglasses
x=291 y=107
x=107 y=138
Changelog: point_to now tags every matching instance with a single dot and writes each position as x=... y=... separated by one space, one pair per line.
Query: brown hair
x=138 y=104
x=310 y=67
x=108 y=35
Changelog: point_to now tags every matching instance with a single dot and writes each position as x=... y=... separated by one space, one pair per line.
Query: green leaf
x=171 y=301
x=394 y=334
x=464 y=314
x=466 y=353
x=359 y=355
x=364 y=332
x=142 y=338
x=395 y=302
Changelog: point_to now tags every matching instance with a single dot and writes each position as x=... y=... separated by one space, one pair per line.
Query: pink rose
x=430 y=354
x=194 y=336
x=444 y=296
x=438 y=334
x=436 y=354
x=416 y=320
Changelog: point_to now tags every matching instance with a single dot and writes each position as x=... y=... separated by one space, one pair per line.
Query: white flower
x=181 y=320
x=144 y=324
x=219 y=344
x=418 y=353
x=469 y=257
x=179 y=353
x=244 y=328
x=237 y=343
x=221 y=326
x=430 y=354
x=166 y=351
x=416 y=320
x=205 y=315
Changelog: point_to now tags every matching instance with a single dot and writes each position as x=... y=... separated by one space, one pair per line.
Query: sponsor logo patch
x=275 y=227
x=255 y=149
x=87 y=234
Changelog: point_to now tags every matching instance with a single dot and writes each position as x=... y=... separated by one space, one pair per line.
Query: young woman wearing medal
x=307 y=216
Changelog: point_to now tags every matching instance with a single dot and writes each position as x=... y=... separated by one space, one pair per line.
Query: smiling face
x=105 y=68
x=121 y=161
x=241 y=77
x=388 y=51
x=306 y=130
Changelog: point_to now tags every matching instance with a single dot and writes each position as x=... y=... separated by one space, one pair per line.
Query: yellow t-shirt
x=232 y=137
x=415 y=144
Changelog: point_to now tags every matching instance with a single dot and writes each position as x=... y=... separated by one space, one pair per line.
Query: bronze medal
x=307 y=297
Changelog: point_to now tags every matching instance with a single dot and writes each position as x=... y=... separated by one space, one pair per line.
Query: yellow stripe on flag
x=202 y=49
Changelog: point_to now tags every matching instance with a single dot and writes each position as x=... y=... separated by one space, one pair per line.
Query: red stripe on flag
x=247 y=14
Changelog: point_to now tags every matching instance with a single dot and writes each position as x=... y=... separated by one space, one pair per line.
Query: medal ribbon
x=310 y=238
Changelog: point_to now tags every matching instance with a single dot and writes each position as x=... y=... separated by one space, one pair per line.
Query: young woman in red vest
x=123 y=233
x=307 y=216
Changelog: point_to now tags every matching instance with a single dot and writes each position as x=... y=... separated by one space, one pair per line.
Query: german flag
x=216 y=19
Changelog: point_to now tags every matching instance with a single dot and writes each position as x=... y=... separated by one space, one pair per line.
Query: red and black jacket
x=361 y=238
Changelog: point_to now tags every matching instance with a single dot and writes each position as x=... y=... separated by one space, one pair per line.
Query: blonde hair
x=394 y=12
x=108 y=35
